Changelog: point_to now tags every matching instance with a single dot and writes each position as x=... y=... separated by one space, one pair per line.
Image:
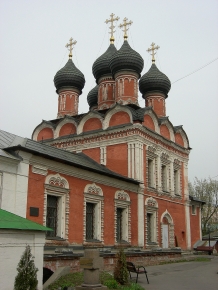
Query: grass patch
x=76 y=279
x=198 y=259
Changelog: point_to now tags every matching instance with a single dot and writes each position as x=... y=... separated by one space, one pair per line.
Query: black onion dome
x=92 y=97
x=154 y=80
x=126 y=59
x=101 y=65
x=69 y=76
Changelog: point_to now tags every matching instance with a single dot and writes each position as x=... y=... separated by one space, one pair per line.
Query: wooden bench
x=133 y=269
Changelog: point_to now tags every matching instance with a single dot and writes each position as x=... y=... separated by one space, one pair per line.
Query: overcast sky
x=32 y=49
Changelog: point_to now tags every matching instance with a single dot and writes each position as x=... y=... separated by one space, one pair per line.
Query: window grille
x=149 y=235
x=119 y=224
x=90 y=218
x=150 y=172
x=164 y=177
x=52 y=215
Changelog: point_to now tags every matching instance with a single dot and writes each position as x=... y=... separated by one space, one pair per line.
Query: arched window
x=56 y=206
x=93 y=214
x=122 y=212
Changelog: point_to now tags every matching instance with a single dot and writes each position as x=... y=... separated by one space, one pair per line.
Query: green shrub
x=120 y=270
x=27 y=272
x=111 y=284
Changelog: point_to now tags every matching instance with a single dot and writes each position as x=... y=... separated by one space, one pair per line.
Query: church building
x=136 y=191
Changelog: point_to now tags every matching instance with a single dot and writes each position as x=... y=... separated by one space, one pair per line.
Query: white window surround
x=151 y=207
x=122 y=200
x=103 y=153
x=152 y=159
x=165 y=173
x=58 y=186
x=94 y=194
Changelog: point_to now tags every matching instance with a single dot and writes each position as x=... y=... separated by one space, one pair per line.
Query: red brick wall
x=148 y=122
x=164 y=131
x=67 y=129
x=119 y=118
x=45 y=133
x=117 y=158
x=195 y=227
x=35 y=198
x=178 y=139
x=94 y=153
x=92 y=124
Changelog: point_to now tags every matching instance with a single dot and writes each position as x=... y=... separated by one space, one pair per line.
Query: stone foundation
x=53 y=262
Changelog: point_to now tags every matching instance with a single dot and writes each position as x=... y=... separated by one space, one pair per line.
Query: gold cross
x=125 y=23
x=152 y=49
x=70 y=45
x=112 y=26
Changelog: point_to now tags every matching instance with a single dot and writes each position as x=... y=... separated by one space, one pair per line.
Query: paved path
x=182 y=276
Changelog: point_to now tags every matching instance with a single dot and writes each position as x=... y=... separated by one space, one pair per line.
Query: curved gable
x=164 y=131
x=67 y=129
x=91 y=121
x=148 y=122
x=179 y=139
x=92 y=124
x=43 y=131
x=117 y=116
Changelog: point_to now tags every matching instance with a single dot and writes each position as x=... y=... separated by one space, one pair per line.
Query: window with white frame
x=165 y=172
x=122 y=217
x=151 y=213
x=93 y=213
x=177 y=177
x=103 y=152
x=150 y=173
x=56 y=206
x=151 y=167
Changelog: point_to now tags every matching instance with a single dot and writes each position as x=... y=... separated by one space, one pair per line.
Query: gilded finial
x=152 y=49
x=70 y=47
x=125 y=24
x=112 y=19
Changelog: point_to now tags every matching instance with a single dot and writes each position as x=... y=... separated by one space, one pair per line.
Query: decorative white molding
x=39 y=169
x=58 y=186
x=122 y=200
x=94 y=194
x=135 y=160
x=93 y=189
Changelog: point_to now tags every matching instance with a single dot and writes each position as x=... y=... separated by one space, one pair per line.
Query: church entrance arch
x=167 y=231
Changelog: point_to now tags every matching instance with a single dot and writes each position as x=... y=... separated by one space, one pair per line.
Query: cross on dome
x=125 y=24
x=112 y=19
x=152 y=49
x=69 y=46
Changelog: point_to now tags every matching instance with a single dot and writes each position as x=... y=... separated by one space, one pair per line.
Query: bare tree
x=207 y=191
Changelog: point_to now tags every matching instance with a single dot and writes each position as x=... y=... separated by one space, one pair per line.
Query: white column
x=187 y=207
x=141 y=227
x=158 y=172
